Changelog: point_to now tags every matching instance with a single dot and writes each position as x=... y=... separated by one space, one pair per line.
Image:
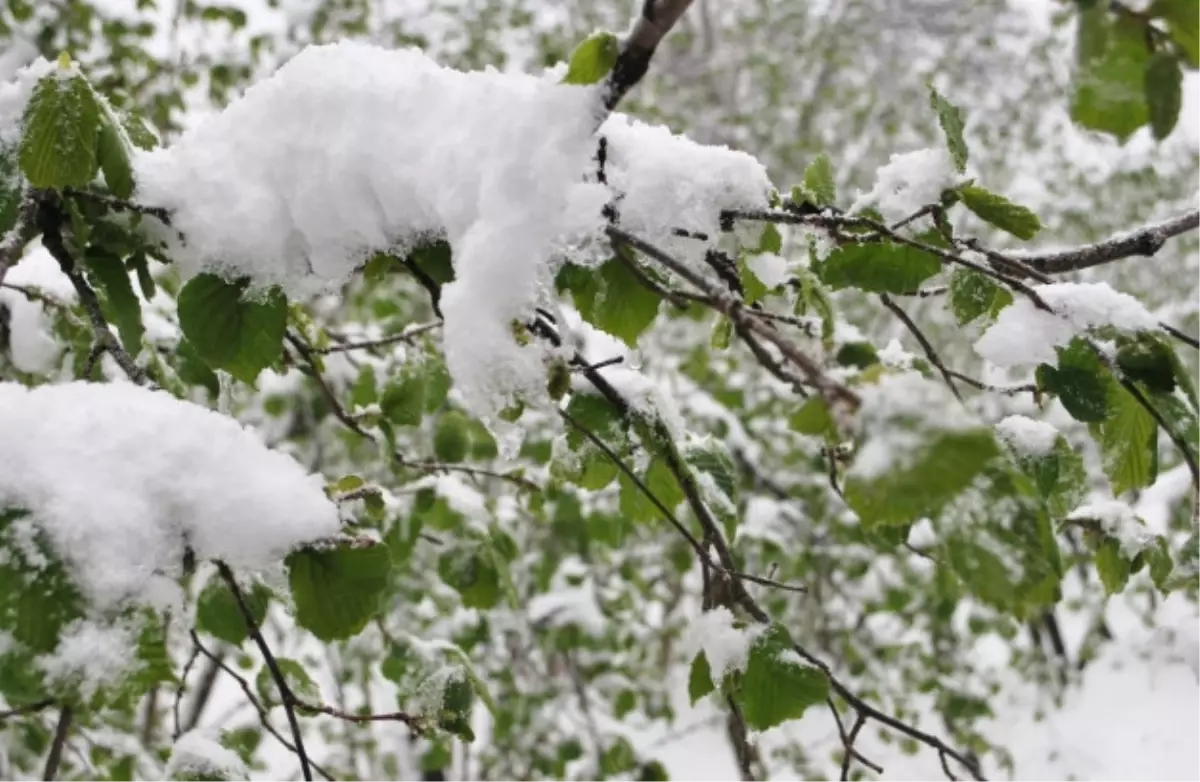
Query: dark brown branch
x=930 y=353
x=848 y=740
x=657 y=19
x=392 y=716
x=19 y=236
x=65 y=715
x=286 y=698
x=179 y=690
x=29 y=708
x=1144 y=242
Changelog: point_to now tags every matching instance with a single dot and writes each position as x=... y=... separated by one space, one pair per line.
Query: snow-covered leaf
x=1000 y=212
x=336 y=591
x=61 y=128
x=973 y=294
x=778 y=685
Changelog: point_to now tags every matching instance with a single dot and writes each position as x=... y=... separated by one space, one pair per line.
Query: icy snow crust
x=351 y=149
x=122 y=479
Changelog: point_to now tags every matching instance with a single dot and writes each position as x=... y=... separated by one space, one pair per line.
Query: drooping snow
x=398 y=150
x=908 y=182
x=725 y=647
x=14 y=95
x=200 y=756
x=1026 y=436
x=1024 y=335
x=123 y=480
x=571 y=600
x=1117 y=521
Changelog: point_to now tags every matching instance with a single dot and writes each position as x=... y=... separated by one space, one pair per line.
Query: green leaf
x=710 y=457
x=778 y=685
x=883 y=267
x=1080 y=381
x=937 y=471
x=1112 y=567
x=296 y=677
x=1183 y=24
x=229 y=331
x=1109 y=82
x=1164 y=93
x=662 y=484
x=1058 y=475
x=435 y=260
x=593 y=59
x=1000 y=212
x=472 y=571
x=336 y=591
x=122 y=307
x=61 y=129
x=812 y=418
x=138 y=134
x=857 y=354
x=37 y=597
x=700 y=681
x=403 y=400
x=819 y=181
x=451 y=437
x=951 y=120
x=753 y=288
x=611 y=297
x=1149 y=360
x=812 y=297
x=112 y=153
x=217 y=611
x=599 y=416
x=973 y=294
x=1128 y=442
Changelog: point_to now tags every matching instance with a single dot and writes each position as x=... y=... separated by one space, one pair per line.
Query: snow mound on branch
x=351 y=149
x=198 y=755
x=908 y=182
x=123 y=479
x=1027 y=436
x=1024 y=335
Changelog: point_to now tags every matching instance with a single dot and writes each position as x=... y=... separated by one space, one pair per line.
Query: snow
x=764 y=520
x=399 y=150
x=1024 y=335
x=1026 y=436
x=908 y=182
x=14 y=94
x=770 y=269
x=895 y=356
x=32 y=345
x=123 y=480
x=1118 y=522
x=91 y=654
x=196 y=753
x=725 y=646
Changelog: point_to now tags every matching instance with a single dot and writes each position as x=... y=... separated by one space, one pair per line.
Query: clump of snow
x=770 y=269
x=1027 y=437
x=1117 y=521
x=764 y=520
x=1024 y=335
x=31 y=343
x=398 y=150
x=667 y=182
x=896 y=416
x=725 y=646
x=197 y=754
x=123 y=480
x=908 y=182
x=91 y=654
x=895 y=356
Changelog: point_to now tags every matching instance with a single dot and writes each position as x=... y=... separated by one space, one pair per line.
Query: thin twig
x=179 y=690
x=392 y=716
x=408 y=335
x=286 y=698
x=65 y=715
x=930 y=353
x=29 y=708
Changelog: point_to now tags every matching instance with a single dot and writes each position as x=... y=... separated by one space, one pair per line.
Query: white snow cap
x=396 y=150
x=1026 y=436
x=1118 y=521
x=198 y=754
x=725 y=647
x=123 y=479
x=908 y=182
x=1024 y=335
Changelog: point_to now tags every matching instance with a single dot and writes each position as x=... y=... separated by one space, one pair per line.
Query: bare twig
x=657 y=19
x=286 y=698
x=19 y=236
x=65 y=715
x=179 y=690
x=392 y=716
x=29 y=708
x=408 y=335
x=930 y=353
x=1145 y=242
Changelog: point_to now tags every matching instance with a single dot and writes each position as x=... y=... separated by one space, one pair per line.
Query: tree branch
x=657 y=19
x=930 y=353
x=65 y=715
x=286 y=698
x=1144 y=242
